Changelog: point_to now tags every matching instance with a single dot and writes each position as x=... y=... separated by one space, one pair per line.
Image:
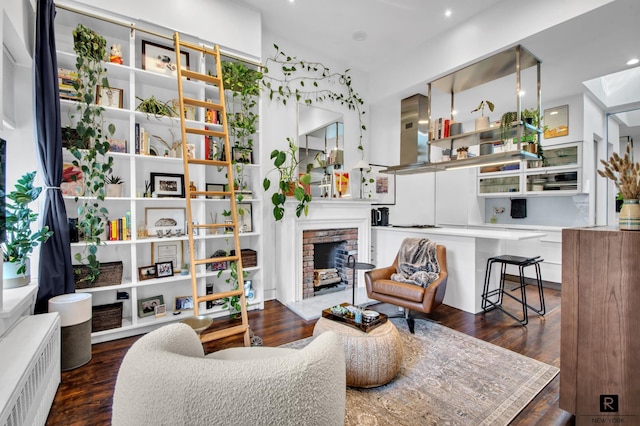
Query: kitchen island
x=467 y=252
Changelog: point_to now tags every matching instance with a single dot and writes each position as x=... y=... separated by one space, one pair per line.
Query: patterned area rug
x=448 y=378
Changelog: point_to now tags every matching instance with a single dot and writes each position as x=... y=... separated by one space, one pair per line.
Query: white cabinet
x=560 y=173
x=136 y=169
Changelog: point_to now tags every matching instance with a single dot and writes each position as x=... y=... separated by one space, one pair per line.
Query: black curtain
x=55 y=275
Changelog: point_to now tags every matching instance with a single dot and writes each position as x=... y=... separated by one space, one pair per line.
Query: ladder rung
x=218 y=296
x=204 y=162
x=210 y=225
x=203 y=104
x=205 y=132
x=212 y=79
x=197 y=47
x=211 y=193
x=221 y=334
x=218 y=259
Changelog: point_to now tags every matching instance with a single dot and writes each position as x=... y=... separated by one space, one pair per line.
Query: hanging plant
x=242 y=88
x=90 y=147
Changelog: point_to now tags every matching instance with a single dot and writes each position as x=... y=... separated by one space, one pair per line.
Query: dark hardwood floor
x=85 y=394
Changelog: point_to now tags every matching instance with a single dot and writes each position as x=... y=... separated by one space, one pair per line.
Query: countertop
x=493 y=234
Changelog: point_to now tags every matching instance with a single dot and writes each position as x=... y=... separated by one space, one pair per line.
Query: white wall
x=234 y=26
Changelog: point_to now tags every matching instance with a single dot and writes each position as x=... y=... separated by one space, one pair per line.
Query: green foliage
x=155 y=107
x=113 y=180
x=242 y=88
x=480 y=107
x=93 y=157
x=20 y=239
x=301 y=80
x=290 y=180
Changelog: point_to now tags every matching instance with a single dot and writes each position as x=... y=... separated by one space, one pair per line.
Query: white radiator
x=29 y=370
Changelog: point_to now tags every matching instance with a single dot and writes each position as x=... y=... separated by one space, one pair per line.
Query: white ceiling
x=586 y=47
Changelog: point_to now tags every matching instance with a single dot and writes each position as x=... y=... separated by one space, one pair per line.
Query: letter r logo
x=609 y=403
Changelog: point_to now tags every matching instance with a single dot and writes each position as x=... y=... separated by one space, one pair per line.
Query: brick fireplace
x=326 y=250
x=324 y=216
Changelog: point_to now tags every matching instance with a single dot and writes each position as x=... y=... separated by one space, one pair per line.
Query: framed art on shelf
x=146 y=272
x=160 y=220
x=556 y=121
x=167 y=184
x=162 y=59
x=164 y=269
x=183 y=302
x=384 y=186
x=215 y=187
x=168 y=251
x=147 y=307
x=109 y=97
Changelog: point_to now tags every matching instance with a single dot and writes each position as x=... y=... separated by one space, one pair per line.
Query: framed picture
x=182 y=303
x=109 y=97
x=71 y=180
x=167 y=184
x=161 y=310
x=557 y=122
x=168 y=252
x=162 y=59
x=384 y=186
x=215 y=187
x=118 y=145
x=245 y=217
x=242 y=155
x=147 y=307
x=164 y=269
x=146 y=272
x=160 y=220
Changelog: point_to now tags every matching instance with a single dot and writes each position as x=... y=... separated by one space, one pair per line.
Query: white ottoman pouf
x=373 y=358
x=75 y=322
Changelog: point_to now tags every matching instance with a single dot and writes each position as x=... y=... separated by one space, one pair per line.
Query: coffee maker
x=380 y=216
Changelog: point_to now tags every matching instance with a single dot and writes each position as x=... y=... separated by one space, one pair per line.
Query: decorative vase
x=10 y=277
x=629 y=218
x=482 y=123
x=113 y=189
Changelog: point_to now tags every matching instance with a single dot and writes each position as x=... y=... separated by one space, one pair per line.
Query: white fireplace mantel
x=323 y=214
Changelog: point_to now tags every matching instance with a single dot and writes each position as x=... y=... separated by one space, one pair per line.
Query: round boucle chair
x=165 y=379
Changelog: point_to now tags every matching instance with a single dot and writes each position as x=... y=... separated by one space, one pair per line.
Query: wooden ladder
x=195 y=264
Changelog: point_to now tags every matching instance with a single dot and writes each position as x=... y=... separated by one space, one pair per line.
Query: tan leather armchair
x=409 y=296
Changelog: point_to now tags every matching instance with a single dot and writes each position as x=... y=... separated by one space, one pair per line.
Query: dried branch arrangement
x=624 y=173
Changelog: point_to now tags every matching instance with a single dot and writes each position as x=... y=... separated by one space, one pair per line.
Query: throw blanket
x=417 y=262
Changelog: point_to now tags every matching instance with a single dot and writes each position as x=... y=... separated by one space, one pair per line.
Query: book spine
x=137 y=141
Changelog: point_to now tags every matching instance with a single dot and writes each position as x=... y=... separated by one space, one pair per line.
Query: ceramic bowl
x=198 y=323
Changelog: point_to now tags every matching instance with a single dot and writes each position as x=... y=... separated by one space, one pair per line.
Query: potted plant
x=290 y=182
x=21 y=240
x=90 y=147
x=113 y=186
x=625 y=174
x=483 y=122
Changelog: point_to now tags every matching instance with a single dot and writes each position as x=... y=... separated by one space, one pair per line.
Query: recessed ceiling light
x=447 y=13
x=633 y=61
x=359 y=36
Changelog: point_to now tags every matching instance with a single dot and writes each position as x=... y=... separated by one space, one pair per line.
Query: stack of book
x=440 y=128
x=119 y=229
x=66 y=78
x=142 y=140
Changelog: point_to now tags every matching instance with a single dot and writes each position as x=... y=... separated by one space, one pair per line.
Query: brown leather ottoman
x=372 y=359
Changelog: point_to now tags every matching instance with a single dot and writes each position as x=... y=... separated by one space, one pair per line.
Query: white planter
x=114 y=189
x=10 y=278
x=482 y=123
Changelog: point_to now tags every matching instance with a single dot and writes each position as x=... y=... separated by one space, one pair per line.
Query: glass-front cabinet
x=559 y=172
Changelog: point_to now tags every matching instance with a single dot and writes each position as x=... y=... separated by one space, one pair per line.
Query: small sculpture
x=116 y=54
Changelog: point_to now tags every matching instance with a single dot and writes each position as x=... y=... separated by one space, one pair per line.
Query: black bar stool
x=497 y=294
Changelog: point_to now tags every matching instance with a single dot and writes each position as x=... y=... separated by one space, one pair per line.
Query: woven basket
x=106 y=317
x=110 y=274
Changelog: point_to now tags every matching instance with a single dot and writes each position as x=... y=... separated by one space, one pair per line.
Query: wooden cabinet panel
x=600 y=348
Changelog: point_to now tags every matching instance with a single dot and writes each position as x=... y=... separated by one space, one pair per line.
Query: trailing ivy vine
x=300 y=81
x=91 y=147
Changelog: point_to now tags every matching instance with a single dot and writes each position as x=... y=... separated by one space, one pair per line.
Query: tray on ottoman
x=366 y=327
